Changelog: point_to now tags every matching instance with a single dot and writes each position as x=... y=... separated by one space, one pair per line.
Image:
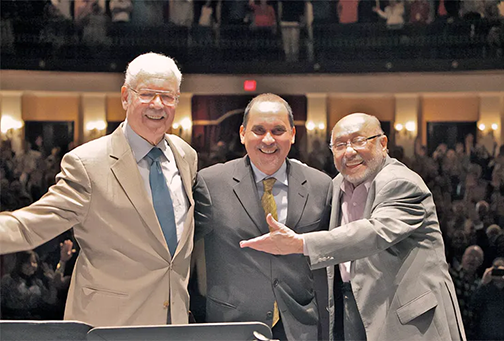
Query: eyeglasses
x=356 y=143
x=147 y=96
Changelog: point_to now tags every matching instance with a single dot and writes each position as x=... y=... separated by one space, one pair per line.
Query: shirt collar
x=349 y=188
x=280 y=175
x=139 y=146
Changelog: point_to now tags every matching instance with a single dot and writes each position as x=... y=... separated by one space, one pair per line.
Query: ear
x=242 y=134
x=384 y=142
x=124 y=97
x=293 y=135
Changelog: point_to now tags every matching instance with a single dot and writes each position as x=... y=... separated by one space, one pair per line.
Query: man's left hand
x=280 y=241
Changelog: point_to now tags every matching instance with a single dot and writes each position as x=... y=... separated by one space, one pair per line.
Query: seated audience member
x=27 y=292
x=466 y=280
x=20 y=197
x=487 y=304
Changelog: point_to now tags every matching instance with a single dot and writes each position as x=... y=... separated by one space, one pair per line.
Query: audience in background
x=466 y=281
x=467 y=184
x=487 y=304
x=62 y=23
x=28 y=292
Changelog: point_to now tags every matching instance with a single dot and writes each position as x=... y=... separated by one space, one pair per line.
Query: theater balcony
x=335 y=48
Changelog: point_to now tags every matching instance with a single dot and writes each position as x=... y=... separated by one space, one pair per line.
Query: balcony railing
x=336 y=48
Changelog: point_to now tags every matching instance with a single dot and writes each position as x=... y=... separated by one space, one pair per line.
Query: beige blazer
x=399 y=273
x=124 y=274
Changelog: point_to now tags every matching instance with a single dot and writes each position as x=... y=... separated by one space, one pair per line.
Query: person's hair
x=499 y=261
x=267 y=97
x=151 y=64
x=21 y=259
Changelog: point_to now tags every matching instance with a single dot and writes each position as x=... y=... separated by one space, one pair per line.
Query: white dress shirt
x=140 y=148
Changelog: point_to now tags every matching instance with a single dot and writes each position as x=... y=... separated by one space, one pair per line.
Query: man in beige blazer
x=125 y=273
x=384 y=227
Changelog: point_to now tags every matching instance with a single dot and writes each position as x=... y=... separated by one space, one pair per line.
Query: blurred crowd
x=467 y=184
x=291 y=24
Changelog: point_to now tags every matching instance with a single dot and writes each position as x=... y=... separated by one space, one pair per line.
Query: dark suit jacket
x=242 y=284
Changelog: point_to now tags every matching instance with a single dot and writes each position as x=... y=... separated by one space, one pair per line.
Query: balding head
x=368 y=123
x=267 y=97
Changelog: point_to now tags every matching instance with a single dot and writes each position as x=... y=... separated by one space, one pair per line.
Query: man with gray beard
x=385 y=238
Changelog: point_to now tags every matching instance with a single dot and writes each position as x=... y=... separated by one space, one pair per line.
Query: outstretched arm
x=280 y=241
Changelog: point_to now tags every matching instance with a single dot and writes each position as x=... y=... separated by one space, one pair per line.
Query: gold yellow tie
x=269 y=206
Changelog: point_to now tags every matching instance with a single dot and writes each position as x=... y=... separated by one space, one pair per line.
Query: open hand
x=280 y=241
x=66 y=250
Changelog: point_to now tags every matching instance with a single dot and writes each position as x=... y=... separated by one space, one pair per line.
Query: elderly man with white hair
x=128 y=198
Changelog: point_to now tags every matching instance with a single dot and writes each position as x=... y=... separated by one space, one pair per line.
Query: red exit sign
x=249 y=85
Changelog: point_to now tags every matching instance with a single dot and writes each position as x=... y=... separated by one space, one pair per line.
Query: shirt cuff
x=305 y=247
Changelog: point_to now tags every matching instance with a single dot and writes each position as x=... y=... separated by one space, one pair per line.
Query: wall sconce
x=9 y=124
x=182 y=127
x=312 y=127
x=407 y=129
x=186 y=123
x=96 y=125
x=95 y=128
x=483 y=128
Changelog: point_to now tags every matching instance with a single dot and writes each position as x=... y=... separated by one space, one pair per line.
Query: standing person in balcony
x=128 y=198
x=291 y=14
x=393 y=13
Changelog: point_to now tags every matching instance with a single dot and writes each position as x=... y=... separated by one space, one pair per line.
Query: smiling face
x=359 y=165
x=268 y=135
x=150 y=120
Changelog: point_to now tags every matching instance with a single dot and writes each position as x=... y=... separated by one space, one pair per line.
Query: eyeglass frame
x=364 y=141
x=157 y=93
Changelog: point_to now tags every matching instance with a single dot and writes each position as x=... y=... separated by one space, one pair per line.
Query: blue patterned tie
x=161 y=198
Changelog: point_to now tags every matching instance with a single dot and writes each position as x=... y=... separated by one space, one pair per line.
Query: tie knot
x=154 y=154
x=268 y=184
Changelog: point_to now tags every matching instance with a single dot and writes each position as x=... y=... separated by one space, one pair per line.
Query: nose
x=268 y=138
x=157 y=101
x=350 y=149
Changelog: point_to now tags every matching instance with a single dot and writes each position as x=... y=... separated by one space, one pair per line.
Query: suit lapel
x=336 y=205
x=246 y=192
x=297 y=194
x=126 y=172
x=185 y=175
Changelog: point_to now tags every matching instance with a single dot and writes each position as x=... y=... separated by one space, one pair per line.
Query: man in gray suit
x=385 y=236
x=231 y=202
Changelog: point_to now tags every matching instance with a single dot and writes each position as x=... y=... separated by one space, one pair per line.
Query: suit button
x=166 y=304
x=275 y=283
x=269 y=315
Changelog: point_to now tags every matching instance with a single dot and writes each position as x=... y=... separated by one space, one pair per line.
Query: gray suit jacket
x=124 y=274
x=242 y=284
x=399 y=273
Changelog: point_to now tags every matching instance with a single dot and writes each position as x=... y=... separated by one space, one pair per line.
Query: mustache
x=353 y=159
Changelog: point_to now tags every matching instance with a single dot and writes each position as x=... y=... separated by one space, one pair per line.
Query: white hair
x=151 y=64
